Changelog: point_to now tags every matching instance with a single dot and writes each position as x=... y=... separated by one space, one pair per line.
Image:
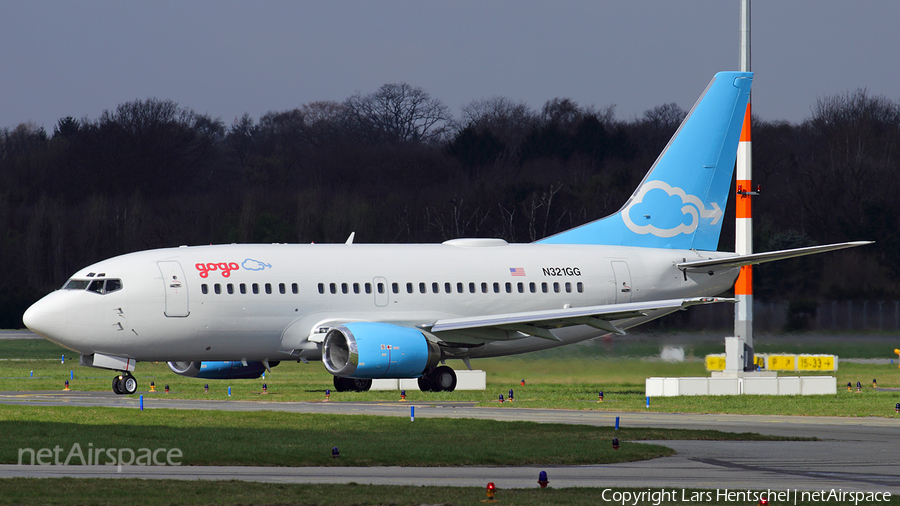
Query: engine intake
x=378 y=350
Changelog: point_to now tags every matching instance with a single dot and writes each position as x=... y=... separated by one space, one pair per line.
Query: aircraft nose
x=47 y=317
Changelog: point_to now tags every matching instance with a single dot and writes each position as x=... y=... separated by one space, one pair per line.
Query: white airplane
x=399 y=311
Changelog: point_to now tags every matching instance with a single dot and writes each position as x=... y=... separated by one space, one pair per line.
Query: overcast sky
x=225 y=58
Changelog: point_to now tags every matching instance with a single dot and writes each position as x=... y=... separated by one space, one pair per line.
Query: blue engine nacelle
x=220 y=370
x=378 y=350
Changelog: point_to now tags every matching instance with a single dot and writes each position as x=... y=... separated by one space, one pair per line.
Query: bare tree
x=509 y=121
x=401 y=113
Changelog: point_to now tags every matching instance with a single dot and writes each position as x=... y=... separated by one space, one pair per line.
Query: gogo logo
x=226 y=268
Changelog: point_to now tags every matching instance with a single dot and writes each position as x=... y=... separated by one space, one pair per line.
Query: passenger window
x=204 y=289
x=217 y=288
x=332 y=287
x=321 y=287
x=282 y=289
x=395 y=287
x=471 y=287
x=229 y=288
x=409 y=288
x=568 y=287
x=255 y=287
x=96 y=286
x=496 y=287
x=521 y=287
x=243 y=287
x=531 y=287
x=556 y=287
x=484 y=288
x=580 y=287
x=459 y=288
x=295 y=288
x=544 y=287
x=345 y=289
x=113 y=284
x=508 y=287
x=435 y=288
x=368 y=287
x=380 y=287
x=422 y=288
x=355 y=287
x=448 y=288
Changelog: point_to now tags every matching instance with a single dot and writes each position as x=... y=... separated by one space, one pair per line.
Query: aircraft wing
x=539 y=323
x=769 y=256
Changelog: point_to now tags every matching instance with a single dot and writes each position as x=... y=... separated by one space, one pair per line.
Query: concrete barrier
x=806 y=385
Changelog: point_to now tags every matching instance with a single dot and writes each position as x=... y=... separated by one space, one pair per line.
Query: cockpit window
x=101 y=286
x=76 y=284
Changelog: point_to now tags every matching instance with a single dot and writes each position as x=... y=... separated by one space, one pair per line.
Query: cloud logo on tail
x=661 y=211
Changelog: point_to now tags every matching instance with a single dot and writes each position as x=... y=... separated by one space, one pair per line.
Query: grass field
x=564 y=378
x=265 y=438
x=197 y=493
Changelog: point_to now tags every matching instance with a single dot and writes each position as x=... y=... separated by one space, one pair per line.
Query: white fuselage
x=256 y=302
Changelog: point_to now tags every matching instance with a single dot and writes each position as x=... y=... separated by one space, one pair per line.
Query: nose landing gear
x=124 y=384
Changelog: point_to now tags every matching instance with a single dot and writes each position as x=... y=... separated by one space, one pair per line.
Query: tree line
x=397 y=166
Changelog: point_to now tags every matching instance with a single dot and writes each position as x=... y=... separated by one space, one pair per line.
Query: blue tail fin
x=681 y=201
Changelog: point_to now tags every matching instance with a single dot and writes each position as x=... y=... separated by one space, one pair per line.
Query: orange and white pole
x=743 y=288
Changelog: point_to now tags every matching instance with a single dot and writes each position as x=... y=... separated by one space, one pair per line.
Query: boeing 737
x=400 y=311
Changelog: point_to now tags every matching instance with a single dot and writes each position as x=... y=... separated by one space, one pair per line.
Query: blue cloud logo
x=666 y=211
x=255 y=265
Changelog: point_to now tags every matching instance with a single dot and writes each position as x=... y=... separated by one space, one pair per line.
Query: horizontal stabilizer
x=759 y=258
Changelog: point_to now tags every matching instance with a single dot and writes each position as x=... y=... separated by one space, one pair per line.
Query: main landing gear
x=439 y=379
x=124 y=384
x=351 y=384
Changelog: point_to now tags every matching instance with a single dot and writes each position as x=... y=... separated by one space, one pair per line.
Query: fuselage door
x=380 y=289
x=176 y=289
x=623 y=282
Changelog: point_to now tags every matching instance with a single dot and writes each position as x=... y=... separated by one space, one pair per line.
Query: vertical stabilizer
x=681 y=201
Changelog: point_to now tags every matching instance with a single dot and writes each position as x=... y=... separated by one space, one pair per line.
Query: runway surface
x=855 y=454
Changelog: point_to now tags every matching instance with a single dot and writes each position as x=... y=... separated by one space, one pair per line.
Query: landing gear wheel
x=129 y=385
x=360 y=385
x=443 y=379
x=424 y=384
x=116 y=385
x=352 y=384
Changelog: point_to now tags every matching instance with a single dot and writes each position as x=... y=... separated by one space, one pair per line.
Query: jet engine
x=220 y=370
x=378 y=350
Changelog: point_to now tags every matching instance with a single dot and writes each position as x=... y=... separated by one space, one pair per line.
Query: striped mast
x=743 y=288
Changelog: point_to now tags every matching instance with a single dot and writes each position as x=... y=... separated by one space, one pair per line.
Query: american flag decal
x=516 y=271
